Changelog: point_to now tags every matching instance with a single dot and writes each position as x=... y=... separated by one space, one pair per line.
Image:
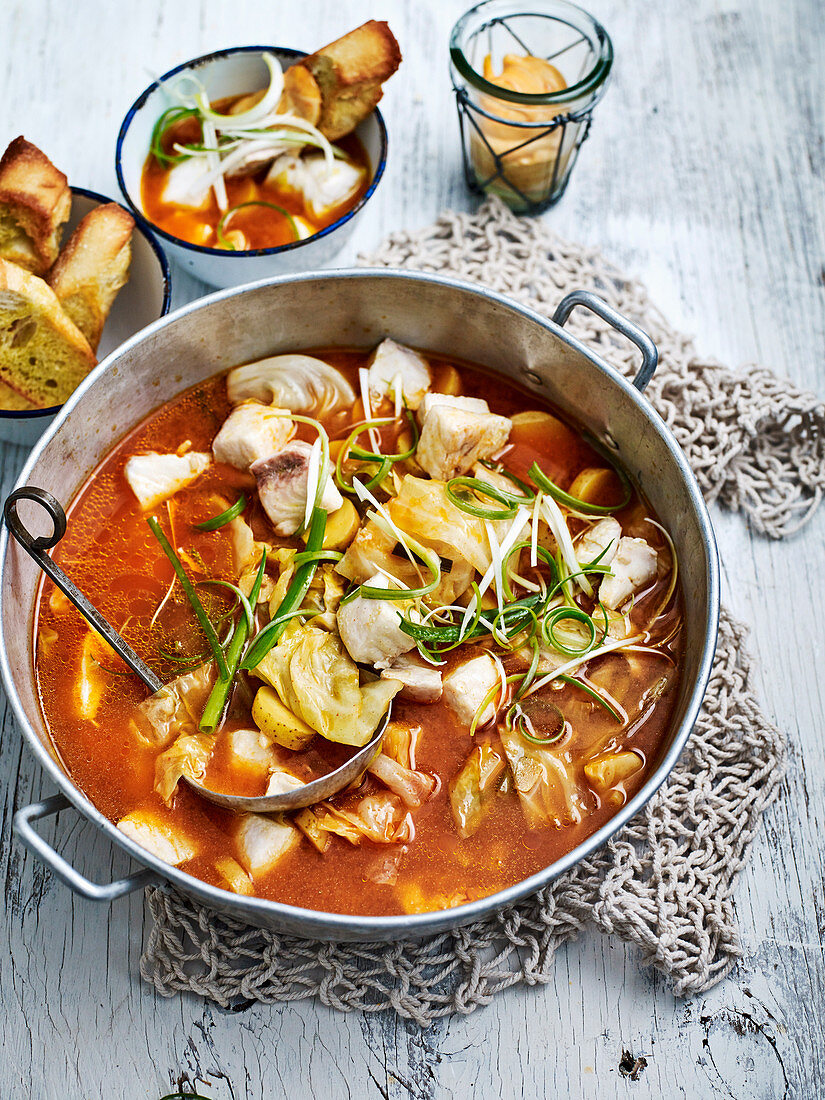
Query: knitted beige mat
x=665 y=883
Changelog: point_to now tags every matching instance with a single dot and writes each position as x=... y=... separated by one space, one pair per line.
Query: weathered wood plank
x=703 y=175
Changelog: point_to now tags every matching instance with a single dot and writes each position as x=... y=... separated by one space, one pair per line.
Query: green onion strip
x=219 y=696
x=268 y=636
x=547 y=486
x=350 y=450
x=224 y=222
x=166 y=121
x=191 y=595
x=215 y=522
x=475 y=487
x=242 y=599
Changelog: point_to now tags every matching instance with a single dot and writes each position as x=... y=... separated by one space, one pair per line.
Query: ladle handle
x=36 y=547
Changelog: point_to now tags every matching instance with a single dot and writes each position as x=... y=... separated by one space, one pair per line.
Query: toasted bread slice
x=12 y=400
x=92 y=268
x=43 y=355
x=349 y=73
x=35 y=201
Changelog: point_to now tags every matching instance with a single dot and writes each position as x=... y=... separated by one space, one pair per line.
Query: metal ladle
x=315 y=791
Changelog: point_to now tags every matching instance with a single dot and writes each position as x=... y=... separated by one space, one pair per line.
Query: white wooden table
x=703 y=176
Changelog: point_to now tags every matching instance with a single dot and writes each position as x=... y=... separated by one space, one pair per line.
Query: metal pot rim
x=331 y=925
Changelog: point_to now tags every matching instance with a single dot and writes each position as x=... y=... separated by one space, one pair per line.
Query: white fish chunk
x=391 y=362
x=371 y=630
x=282 y=487
x=252 y=431
x=155 y=477
x=280 y=782
x=466 y=404
x=156 y=836
x=454 y=436
x=251 y=749
x=422 y=682
x=187 y=184
x=602 y=538
x=323 y=186
x=263 y=841
x=466 y=686
x=633 y=567
x=300 y=383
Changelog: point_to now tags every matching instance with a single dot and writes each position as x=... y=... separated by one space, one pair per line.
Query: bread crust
x=350 y=72
x=93 y=266
x=35 y=195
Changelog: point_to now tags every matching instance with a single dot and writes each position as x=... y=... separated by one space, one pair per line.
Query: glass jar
x=526 y=83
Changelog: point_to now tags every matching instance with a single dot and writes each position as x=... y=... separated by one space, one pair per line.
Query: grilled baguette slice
x=35 y=201
x=93 y=266
x=43 y=355
x=349 y=73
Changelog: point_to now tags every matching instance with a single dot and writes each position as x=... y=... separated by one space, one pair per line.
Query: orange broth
x=262 y=227
x=111 y=554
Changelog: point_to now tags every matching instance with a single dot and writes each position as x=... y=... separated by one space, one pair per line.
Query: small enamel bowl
x=229 y=73
x=144 y=298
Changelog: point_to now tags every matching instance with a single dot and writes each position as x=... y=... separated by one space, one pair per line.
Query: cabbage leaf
x=318 y=681
x=549 y=791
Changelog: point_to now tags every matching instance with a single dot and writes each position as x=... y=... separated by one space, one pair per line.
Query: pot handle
x=93 y=891
x=637 y=336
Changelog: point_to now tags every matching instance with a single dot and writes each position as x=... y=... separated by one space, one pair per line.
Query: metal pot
x=356 y=309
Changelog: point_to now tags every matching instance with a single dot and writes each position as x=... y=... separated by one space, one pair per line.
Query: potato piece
x=307 y=821
x=341 y=527
x=596 y=485
x=279 y=723
x=446 y=379
x=607 y=771
x=233 y=876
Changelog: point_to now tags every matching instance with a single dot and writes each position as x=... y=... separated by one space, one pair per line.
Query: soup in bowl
x=389 y=521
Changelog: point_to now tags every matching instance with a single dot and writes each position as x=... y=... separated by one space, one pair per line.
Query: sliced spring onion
x=674 y=572
x=520 y=721
x=526 y=495
x=506 y=640
x=546 y=485
x=191 y=595
x=304 y=556
x=530 y=675
x=225 y=517
x=427 y=556
x=224 y=222
x=558 y=615
x=473 y=486
x=522 y=516
x=219 y=695
x=591 y=655
x=540 y=552
x=496 y=689
x=266 y=638
x=512 y=619
x=242 y=599
x=574 y=681
x=163 y=124
x=349 y=449
x=561 y=532
x=258 y=111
